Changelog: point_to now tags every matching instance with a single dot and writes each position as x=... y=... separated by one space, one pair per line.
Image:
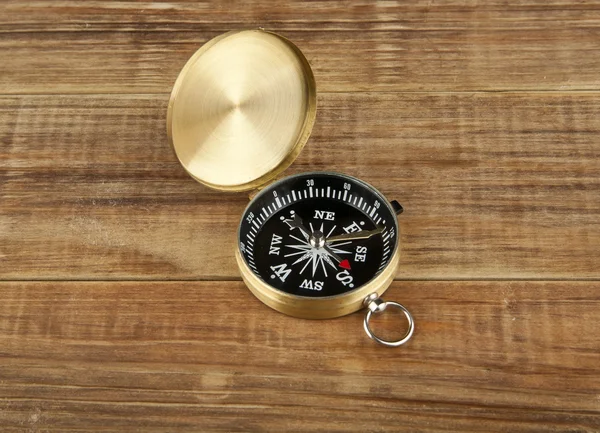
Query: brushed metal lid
x=242 y=109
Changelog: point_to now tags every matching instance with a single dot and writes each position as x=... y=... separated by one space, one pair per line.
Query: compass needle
x=327 y=260
x=332 y=253
x=338 y=251
x=356 y=235
x=342 y=244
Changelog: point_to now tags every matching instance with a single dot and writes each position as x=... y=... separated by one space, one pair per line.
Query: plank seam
x=353 y=92
x=238 y=280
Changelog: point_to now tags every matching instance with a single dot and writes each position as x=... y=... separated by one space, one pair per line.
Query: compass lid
x=242 y=109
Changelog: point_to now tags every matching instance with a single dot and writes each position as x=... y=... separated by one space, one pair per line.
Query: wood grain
x=487 y=356
x=139 y=47
x=481 y=118
x=494 y=185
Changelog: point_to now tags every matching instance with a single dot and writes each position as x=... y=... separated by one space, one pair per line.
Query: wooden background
x=121 y=307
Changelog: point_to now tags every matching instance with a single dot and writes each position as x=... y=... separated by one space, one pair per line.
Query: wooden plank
x=486 y=356
x=494 y=185
x=139 y=47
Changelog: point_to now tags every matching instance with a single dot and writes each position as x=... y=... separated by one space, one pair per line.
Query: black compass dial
x=318 y=234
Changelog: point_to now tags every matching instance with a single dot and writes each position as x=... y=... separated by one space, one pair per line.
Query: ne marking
x=256 y=224
x=339 y=245
x=278 y=202
x=345 y=194
x=328 y=191
x=294 y=195
x=310 y=191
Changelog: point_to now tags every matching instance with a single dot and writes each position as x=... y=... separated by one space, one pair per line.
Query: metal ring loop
x=409 y=333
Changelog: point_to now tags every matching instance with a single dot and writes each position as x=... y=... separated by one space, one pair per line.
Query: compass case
x=317 y=308
x=241 y=110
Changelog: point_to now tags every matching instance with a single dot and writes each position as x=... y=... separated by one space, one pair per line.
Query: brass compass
x=316 y=245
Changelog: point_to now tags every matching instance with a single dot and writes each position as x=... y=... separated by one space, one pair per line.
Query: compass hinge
x=397 y=207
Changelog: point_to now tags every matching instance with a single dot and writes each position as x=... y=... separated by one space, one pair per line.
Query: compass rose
x=312 y=250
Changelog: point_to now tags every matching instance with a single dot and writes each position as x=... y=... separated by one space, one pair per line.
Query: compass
x=315 y=245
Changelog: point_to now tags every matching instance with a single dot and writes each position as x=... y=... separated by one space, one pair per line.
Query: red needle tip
x=345 y=264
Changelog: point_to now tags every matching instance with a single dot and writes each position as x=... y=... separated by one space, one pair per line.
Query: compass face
x=318 y=234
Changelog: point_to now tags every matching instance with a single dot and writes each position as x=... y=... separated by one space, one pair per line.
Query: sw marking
x=312 y=285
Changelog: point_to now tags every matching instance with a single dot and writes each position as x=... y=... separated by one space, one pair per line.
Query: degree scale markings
x=351 y=199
